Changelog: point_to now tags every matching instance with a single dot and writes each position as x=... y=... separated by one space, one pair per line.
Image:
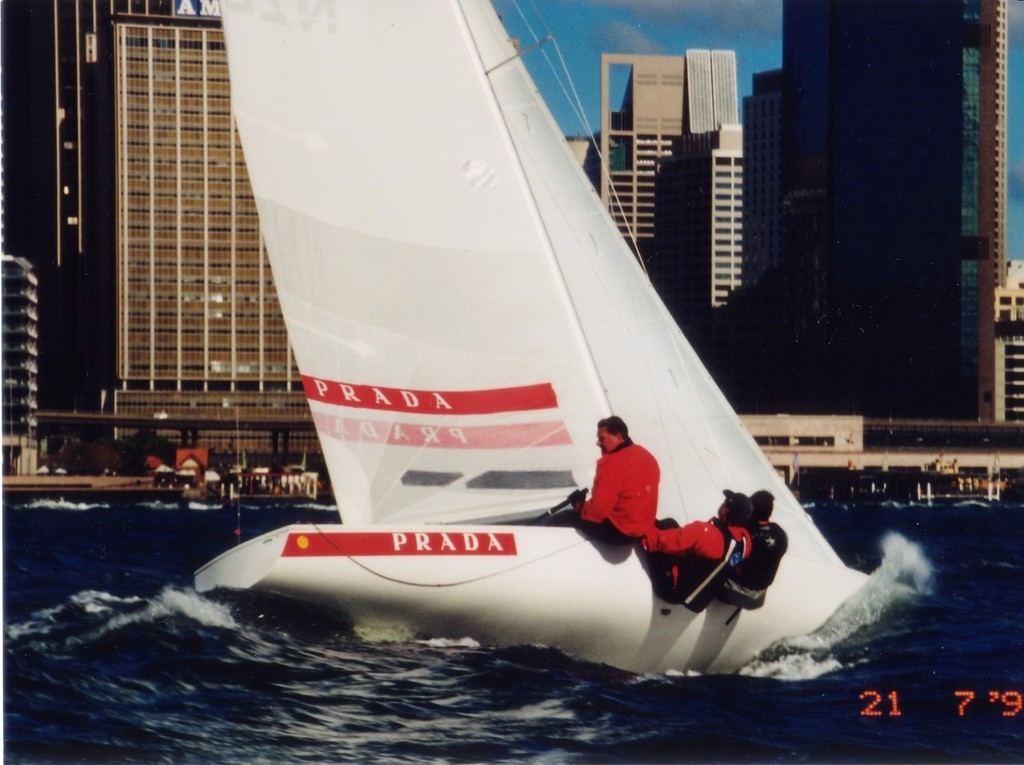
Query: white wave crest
x=465 y=642
x=196 y=505
x=384 y=634
x=904 y=575
x=47 y=620
x=106 y=612
x=175 y=602
x=40 y=503
x=157 y=504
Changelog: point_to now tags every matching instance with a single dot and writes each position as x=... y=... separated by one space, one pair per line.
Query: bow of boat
x=245 y=566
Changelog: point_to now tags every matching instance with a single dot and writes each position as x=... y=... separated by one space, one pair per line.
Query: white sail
x=441 y=354
x=461 y=306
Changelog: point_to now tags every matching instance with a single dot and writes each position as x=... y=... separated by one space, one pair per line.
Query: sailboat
x=463 y=310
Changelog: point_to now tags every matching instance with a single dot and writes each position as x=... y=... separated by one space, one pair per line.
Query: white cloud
x=1015 y=181
x=761 y=19
x=1015 y=19
x=622 y=37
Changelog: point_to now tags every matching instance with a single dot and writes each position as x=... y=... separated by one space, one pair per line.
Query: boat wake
x=904 y=575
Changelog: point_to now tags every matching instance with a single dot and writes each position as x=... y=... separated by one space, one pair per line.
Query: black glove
x=577 y=497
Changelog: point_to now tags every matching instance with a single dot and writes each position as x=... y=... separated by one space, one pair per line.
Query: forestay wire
x=565 y=82
x=712 y=461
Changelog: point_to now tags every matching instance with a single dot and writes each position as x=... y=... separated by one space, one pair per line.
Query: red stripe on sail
x=420 y=543
x=519 y=399
x=424 y=435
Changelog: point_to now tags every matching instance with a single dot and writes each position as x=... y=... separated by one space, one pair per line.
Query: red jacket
x=697 y=538
x=625 y=490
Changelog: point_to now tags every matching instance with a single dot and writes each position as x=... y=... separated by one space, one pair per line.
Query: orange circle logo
x=302 y=542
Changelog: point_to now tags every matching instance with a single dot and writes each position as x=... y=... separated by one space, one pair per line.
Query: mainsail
x=460 y=304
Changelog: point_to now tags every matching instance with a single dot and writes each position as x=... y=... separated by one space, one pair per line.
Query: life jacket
x=747 y=587
x=692 y=580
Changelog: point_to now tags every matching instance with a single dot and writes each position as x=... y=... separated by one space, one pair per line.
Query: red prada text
x=359 y=543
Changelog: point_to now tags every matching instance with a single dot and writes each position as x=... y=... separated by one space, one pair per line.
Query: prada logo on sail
x=358 y=543
x=517 y=399
x=425 y=435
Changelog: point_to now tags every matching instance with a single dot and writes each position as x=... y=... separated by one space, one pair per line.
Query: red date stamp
x=962 y=703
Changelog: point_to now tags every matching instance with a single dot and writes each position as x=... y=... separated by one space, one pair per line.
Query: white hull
x=535 y=585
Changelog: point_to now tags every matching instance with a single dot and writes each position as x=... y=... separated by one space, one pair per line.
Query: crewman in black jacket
x=747 y=585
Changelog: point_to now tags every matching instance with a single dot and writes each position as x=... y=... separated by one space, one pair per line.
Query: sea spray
x=904 y=575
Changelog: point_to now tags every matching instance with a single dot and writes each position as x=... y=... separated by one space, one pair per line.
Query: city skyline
x=173 y=209
x=584 y=29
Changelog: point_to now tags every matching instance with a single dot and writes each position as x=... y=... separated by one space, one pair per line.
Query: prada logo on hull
x=376 y=543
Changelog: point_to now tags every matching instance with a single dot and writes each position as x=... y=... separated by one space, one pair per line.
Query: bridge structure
x=827 y=440
x=91 y=425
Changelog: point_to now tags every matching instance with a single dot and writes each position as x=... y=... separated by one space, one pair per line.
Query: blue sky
x=584 y=29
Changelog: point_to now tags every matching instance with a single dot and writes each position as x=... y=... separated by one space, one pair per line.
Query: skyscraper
x=635 y=132
x=199 y=327
x=674 y=172
x=155 y=243
x=20 y=352
x=1009 y=332
x=893 y=191
x=698 y=242
x=762 y=175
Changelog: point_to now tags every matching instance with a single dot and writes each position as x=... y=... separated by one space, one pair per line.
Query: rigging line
x=576 y=104
x=702 y=455
x=712 y=458
x=613 y=191
x=520 y=54
x=439 y=585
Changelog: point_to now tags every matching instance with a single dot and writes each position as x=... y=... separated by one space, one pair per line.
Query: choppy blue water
x=111 y=656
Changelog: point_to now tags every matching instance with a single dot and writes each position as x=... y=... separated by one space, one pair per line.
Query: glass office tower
x=894 y=146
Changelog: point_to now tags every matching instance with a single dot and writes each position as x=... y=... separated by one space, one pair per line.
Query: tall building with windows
x=695 y=260
x=894 y=146
x=155 y=243
x=762 y=175
x=698 y=247
x=1009 y=332
x=20 y=368
x=649 y=105
x=199 y=327
x=636 y=131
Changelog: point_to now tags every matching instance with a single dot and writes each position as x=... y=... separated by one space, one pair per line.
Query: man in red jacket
x=705 y=538
x=624 y=500
x=690 y=564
